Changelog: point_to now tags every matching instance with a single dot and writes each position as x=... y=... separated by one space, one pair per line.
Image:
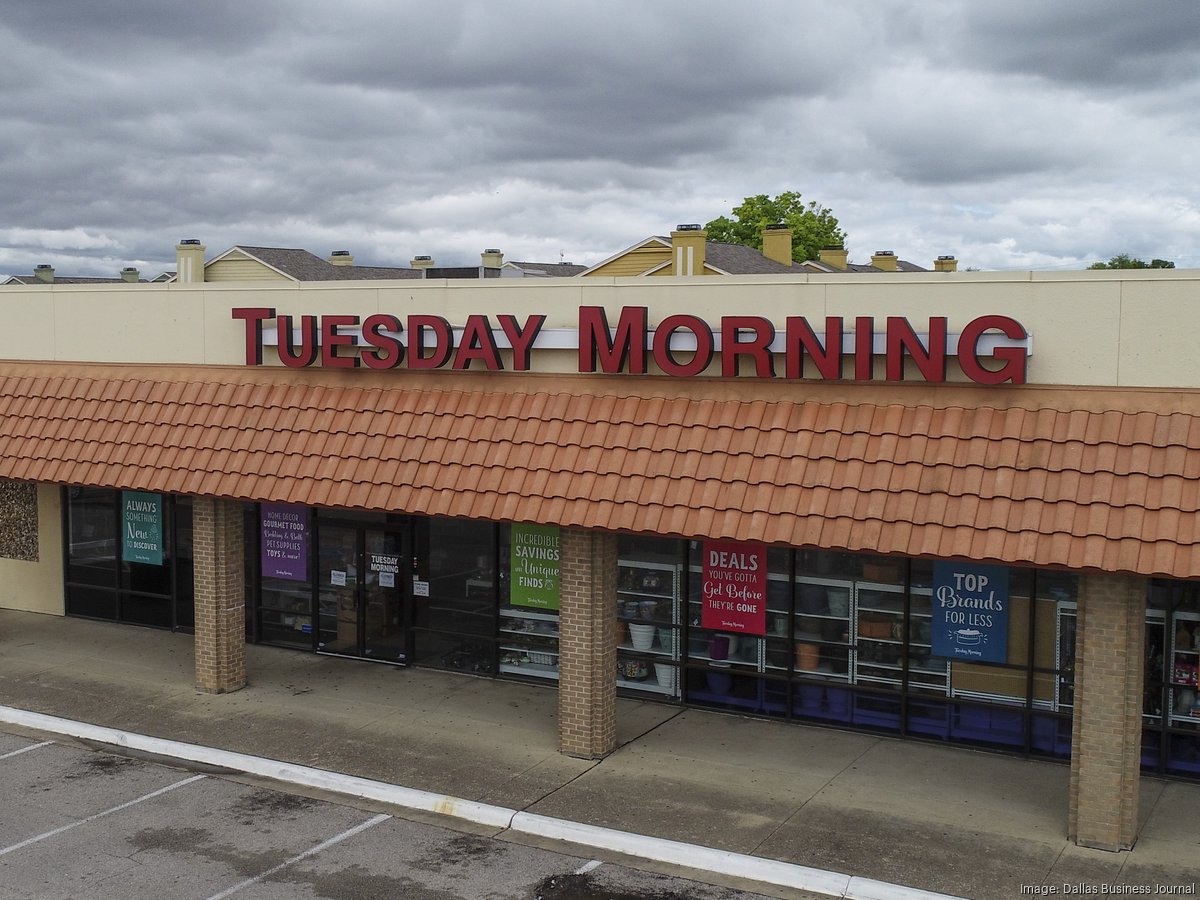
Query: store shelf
x=647 y=684
x=530 y=669
x=528 y=634
x=1184 y=672
x=648 y=595
x=880 y=629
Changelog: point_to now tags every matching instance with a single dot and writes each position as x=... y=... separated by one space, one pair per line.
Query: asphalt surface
x=83 y=824
x=944 y=819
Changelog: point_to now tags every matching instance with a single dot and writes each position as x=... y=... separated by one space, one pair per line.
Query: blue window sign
x=970 y=612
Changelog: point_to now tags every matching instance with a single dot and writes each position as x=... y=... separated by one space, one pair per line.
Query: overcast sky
x=1013 y=134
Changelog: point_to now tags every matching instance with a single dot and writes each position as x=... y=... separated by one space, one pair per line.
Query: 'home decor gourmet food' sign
x=991 y=349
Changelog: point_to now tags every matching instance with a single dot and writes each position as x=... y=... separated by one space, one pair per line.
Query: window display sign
x=141 y=527
x=734 y=587
x=970 y=612
x=534 y=566
x=387 y=565
x=283 y=528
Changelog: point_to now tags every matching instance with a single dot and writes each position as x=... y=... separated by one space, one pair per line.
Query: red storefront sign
x=990 y=349
x=734 y=587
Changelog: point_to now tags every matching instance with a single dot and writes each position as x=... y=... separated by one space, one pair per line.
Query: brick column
x=1106 y=745
x=587 y=662
x=217 y=555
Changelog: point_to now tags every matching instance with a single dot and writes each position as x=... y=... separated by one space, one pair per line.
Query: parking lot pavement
x=83 y=824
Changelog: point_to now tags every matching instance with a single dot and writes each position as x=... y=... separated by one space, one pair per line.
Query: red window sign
x=734 y=587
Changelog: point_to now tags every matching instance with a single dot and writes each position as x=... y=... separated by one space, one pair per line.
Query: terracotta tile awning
x=1082 y=478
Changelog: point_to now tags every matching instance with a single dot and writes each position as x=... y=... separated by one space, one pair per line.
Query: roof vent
x=491 y=250
x=778 y=226
x=44 y=272
x=340 y=253
x=190 y=241
x=885 y=252
x=692 y=227
x=422 y=257
x=130 y=274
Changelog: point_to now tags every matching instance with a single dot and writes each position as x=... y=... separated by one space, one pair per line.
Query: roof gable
x=637 y=259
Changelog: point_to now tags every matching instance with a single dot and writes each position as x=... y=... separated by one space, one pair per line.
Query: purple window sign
x=283 y=531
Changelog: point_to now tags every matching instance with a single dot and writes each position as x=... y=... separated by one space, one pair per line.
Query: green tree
x=813 y=226
x=1125 y=261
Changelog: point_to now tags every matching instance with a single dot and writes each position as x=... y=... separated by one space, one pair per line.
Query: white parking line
x=337 y=839
x=588 y=866
x=99 y=815
x=25 y=749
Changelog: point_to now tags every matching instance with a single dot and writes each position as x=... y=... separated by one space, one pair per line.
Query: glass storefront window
x=1175 y=749
x=92 y=538
x=529 y=597
x=649 y=632
x=103 y=583
x=455 y=617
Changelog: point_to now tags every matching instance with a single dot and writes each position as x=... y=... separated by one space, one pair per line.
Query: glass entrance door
x=362 y=610
x=383 y=633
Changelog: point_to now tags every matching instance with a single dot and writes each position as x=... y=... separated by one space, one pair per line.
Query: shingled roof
x=68 y=279
x=305 y=266
x=737 y=259
x=1102 y=479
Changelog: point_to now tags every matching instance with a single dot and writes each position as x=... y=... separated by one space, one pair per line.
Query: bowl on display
x=633 y=669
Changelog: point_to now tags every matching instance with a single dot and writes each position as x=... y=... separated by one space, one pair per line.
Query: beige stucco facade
x=1104 y=328
x=36 y=585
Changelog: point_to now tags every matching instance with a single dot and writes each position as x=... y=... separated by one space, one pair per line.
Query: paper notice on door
x=337 y=578
x=420 y=588
x=387 y=579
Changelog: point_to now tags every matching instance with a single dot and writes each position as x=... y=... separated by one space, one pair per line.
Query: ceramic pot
x=718 y=647
x=666 y=638
x=666 y=676
x=808 y=656
x=719 y=682
x=839 y=601
x=641 y=636
x=811 y=599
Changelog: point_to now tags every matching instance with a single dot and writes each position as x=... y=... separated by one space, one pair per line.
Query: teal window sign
x=142 y=527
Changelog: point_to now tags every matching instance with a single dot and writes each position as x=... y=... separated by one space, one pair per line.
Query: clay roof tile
x=1051 y=484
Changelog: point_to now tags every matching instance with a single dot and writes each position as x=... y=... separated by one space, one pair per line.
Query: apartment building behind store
x=948 y=506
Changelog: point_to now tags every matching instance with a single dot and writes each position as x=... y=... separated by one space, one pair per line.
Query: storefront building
x=948 y=506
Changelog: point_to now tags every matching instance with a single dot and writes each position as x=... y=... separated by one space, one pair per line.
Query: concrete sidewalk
x=955 y=821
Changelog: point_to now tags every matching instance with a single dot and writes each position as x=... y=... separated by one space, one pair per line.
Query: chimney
x=945 y=264
x=44 y=273
x=836 y=257
x=189 y=261
x=341 y=258
x=687 y=249
x=421 y=262
x=491 y=259
x=884 y=259
x=777 y=243
x=130 y=275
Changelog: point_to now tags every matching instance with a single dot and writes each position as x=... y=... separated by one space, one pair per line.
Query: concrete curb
x=691 y=856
